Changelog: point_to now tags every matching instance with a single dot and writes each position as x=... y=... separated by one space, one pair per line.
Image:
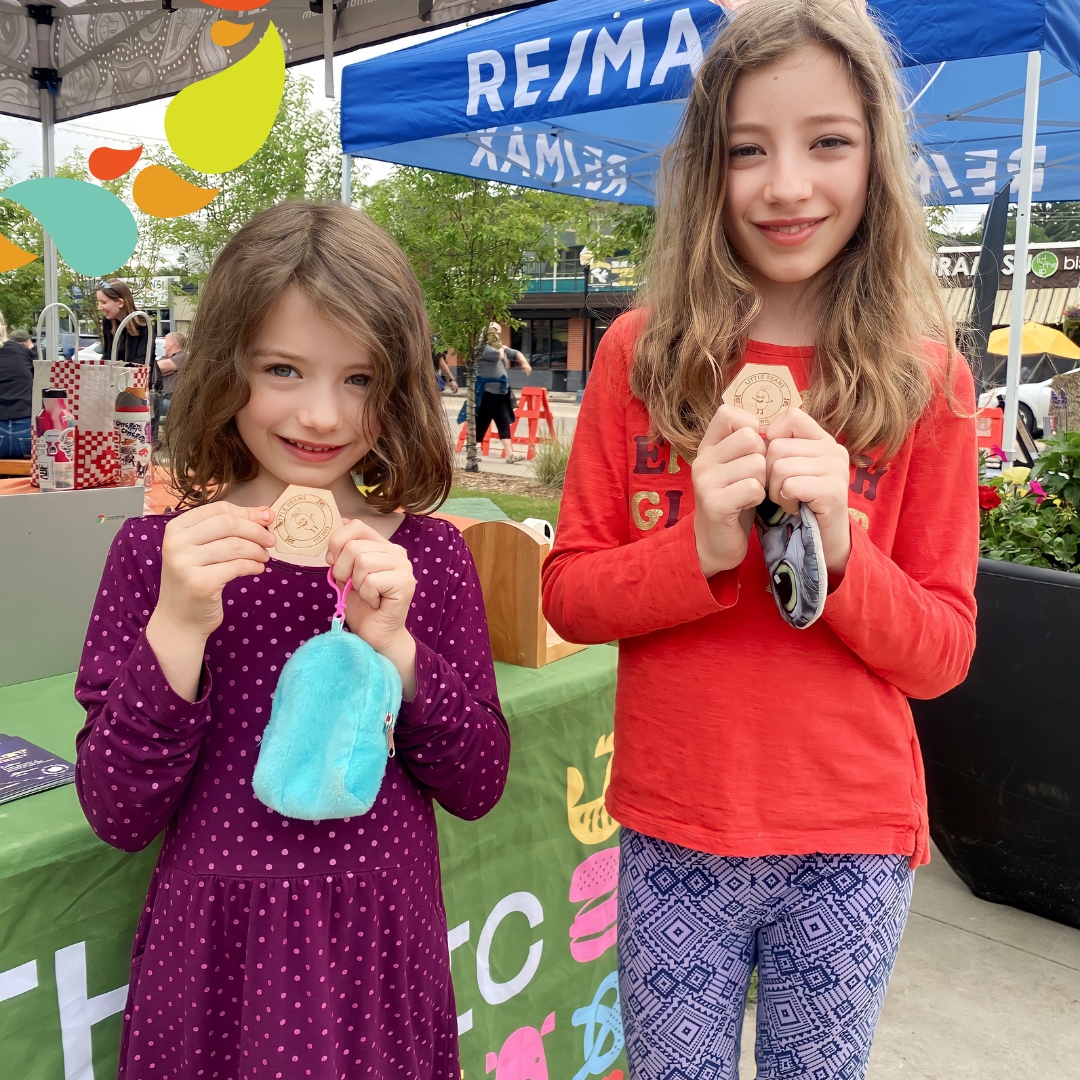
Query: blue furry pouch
x=331 y=729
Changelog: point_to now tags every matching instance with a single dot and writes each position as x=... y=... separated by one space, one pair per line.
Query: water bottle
x=56 y=442
x=132 y=419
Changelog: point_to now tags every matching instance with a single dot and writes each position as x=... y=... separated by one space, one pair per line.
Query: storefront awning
x=1040 y=305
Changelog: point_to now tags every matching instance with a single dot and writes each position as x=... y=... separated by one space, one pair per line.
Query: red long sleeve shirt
x=735 y=734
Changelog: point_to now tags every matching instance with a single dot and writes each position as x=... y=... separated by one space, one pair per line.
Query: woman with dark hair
x=116 y=303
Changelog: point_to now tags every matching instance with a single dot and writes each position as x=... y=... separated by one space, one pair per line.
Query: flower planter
x=1002 y=750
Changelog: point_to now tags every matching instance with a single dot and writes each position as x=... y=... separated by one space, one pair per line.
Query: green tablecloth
x=69 y=903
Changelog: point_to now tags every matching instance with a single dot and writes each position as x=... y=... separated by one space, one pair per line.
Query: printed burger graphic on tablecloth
x=595 y=886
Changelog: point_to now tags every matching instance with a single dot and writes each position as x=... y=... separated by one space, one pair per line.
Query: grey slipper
x=796 y=561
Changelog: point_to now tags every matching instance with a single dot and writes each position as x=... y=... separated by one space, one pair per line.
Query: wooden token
x=764 y=390
x=303 y=521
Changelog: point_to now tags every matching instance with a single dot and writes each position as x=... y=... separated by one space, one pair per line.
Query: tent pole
x=1020 y=253
x=52 y=287
x=346 y=179
x=48 y=81
x=328 y=46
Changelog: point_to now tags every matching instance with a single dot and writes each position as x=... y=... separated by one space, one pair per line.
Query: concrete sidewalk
x=979 y=992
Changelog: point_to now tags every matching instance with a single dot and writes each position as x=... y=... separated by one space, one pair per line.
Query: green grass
x=516 y=507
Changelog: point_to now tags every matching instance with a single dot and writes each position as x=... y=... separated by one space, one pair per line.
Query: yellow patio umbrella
x=1034 y=338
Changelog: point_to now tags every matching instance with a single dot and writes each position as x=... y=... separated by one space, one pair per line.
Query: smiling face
x=307 y=421
x=110 y=308
x=798 y=168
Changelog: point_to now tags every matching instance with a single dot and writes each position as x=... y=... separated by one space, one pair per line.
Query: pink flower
x=998 y=452
x=1037 y=490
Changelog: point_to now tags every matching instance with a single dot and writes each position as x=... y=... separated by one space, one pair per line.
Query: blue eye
x=360 y=380
x=283 y=371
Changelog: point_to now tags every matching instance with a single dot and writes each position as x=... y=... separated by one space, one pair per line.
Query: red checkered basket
x=92 y=387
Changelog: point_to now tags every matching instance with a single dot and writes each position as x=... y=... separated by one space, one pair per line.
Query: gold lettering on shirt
x=859 y=517
x=649 y=518
x=673 y=462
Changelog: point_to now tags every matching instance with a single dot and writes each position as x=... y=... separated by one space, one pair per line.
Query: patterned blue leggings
x=823 y=931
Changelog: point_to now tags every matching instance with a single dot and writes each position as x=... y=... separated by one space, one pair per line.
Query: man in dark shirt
x=16 y=393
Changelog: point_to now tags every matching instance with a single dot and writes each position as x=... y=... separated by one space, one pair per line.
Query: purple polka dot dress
x=269 y=947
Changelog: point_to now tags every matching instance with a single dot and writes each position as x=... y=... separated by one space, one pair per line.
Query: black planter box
x=1002 y=751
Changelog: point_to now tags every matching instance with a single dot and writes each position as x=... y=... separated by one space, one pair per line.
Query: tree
x=1050 y=223
x=300 y=159
x=22 y=291
x=467 y=241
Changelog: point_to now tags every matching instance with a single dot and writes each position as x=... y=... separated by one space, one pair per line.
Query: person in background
x=496 y=398
x=116 y=303
x=442 y=372
x=167 y=369
x=16 y=395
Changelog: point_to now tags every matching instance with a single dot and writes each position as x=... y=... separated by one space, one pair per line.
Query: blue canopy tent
x=582 y=96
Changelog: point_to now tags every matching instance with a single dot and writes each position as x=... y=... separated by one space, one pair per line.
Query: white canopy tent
x=72 y=58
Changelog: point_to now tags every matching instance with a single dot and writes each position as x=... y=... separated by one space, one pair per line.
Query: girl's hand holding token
x=805 y=464
x=729 y=481
x=383 y=587
x=202 y=551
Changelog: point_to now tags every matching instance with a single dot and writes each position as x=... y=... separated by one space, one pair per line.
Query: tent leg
x=328 y=47
x=1020 y=256
x=52 y=285
x=346 y=179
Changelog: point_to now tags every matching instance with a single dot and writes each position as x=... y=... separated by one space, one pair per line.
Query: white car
x=93 y=352
x=1033 y=398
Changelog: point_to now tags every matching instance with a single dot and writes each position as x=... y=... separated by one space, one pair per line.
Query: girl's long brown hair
x=871 y=380
x=360 y=280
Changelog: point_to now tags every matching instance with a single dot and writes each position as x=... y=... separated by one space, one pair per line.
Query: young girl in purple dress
x=272 y=947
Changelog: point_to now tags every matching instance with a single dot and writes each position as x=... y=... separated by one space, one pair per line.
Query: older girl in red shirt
x=767 y=772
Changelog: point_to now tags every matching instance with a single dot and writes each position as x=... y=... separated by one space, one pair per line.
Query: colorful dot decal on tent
x=225 y=33
x=109 y=163
x=93 y=230
x=218 y=123
x=160 y=192
x=12 y=256
x=237 y=5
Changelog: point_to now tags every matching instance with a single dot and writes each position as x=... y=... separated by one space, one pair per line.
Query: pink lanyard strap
x=339 y=592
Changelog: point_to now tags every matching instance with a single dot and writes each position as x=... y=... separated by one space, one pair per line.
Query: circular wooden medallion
x=303 y=522
x=763 y=391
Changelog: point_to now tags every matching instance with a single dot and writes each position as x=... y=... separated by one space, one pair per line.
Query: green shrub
x=549 y=464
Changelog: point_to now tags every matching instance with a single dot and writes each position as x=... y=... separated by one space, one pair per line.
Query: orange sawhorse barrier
x=485 y=442
x=532 y=407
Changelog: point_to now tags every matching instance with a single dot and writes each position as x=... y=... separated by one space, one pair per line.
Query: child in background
x=769 y=779
x=272 y=947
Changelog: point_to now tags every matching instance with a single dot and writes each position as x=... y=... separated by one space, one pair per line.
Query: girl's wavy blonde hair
x=357 y=277
x=871 y=381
